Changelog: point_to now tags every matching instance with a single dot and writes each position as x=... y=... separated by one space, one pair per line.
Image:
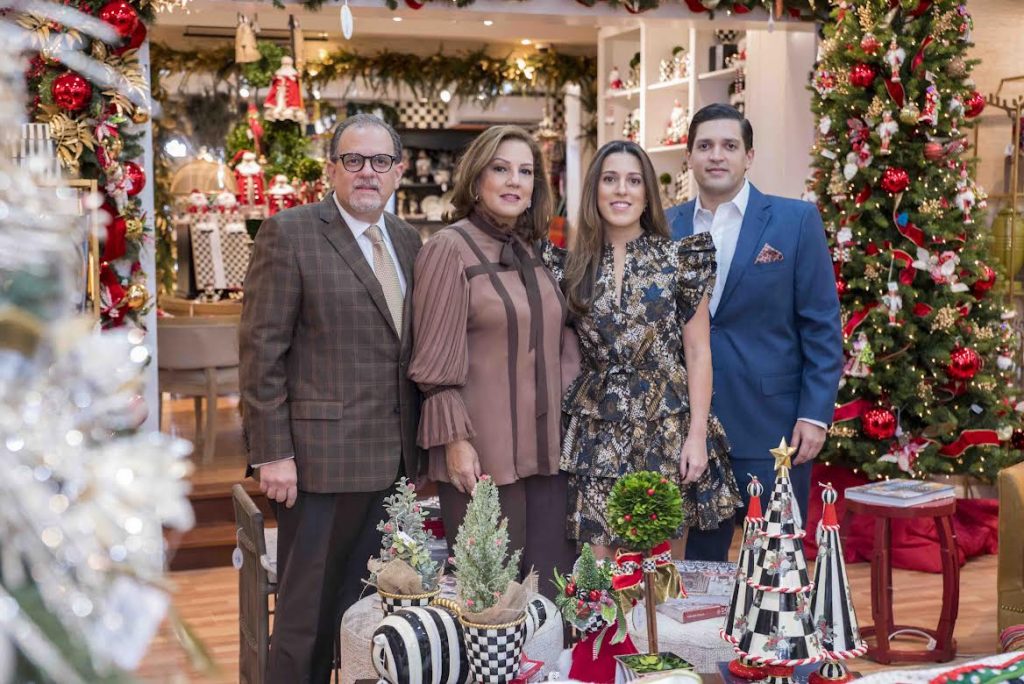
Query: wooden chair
x=257 y=582
x=198 y=357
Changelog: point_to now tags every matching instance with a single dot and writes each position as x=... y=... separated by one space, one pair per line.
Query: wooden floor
x=207 y=600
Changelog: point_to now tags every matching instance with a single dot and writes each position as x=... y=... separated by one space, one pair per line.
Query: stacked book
x=900 y=493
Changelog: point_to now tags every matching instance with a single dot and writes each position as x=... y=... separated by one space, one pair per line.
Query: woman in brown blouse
x=488 y=321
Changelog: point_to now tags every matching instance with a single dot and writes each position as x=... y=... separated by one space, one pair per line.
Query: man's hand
x=807 y=440
x=463 y=465
x=278 y=481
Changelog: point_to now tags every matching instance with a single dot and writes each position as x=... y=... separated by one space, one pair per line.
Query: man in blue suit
x=776 y=338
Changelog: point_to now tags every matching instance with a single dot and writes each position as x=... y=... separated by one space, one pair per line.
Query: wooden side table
x=884 y=628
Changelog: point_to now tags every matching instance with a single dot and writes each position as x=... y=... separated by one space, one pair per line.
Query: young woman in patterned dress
x=639 y=304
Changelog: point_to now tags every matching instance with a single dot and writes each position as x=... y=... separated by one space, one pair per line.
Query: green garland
x=645 y=509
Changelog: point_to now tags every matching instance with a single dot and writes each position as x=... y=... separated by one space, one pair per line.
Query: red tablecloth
x=915 y=545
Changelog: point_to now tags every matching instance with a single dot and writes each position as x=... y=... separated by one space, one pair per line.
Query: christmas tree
x=778 y=630
x=483 y=565
x=832 y=605
x=403 y=536
x=926 y=388
x=742 y=593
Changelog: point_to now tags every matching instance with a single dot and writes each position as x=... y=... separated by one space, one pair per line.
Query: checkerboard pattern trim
x=494 y=652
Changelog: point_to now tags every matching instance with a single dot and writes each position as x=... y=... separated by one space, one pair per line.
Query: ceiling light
x=526 y=41
x=446 y=95
x=396 y=18
x=488 y=22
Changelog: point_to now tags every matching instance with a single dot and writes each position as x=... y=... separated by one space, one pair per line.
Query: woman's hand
x=463 y=465
x=693 y=460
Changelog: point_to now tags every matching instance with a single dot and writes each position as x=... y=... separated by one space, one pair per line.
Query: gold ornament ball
x=134 y=228
x=137 y=296
x=140 y=115
x=909 y=114
x=956 y=67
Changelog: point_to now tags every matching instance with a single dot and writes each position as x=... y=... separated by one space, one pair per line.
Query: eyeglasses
x=354 y=162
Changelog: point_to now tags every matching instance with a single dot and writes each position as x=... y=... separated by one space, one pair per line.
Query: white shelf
x=666 y=148
x=678 y=84
x=720 y=75
x=622 y=94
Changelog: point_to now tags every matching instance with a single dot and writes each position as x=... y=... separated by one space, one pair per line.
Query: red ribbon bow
x=629 y=572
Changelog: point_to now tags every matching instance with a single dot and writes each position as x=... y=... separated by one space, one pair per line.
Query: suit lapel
x=337 y=232
x=682 y=225
x=754 y=221
x=406 y=261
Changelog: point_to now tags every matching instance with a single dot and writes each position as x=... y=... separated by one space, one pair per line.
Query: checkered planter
x=494 y=651
x=389 y=603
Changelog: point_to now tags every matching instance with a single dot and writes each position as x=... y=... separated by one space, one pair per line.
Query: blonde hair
x=533 y=223
x=585 y=257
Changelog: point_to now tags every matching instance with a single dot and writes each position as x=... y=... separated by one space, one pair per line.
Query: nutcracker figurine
x=893 y=302
x=965 y=198
x=886 y=130
x=895 y=58
x=284 y=100
x=249 y=179
x=930 y=111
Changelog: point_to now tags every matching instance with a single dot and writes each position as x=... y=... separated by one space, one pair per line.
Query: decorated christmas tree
x=831 y=604
x=483 y=565
x=778 y=631
x=926 y=388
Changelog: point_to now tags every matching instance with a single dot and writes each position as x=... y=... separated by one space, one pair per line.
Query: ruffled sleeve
x=440 y=359
x=553 y=257
x=695 y=273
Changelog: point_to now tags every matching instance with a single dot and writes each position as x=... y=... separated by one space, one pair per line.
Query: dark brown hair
x=713 y=112
x=533 y=223
x=585 y=256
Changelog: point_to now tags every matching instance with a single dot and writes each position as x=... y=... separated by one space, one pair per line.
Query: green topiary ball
x=645 y=509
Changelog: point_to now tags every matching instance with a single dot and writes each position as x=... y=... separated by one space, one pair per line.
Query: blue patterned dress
x=629 y=408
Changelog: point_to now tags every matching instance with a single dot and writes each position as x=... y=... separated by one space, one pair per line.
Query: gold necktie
x=387 y=276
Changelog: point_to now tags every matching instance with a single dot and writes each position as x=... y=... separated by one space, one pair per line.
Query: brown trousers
x=324 y=541
x=535 y=507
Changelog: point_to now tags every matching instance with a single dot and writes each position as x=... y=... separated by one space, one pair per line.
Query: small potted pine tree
x=492 y=604
x=405 y=574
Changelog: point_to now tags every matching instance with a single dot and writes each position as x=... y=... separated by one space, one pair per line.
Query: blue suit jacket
x=776 y=337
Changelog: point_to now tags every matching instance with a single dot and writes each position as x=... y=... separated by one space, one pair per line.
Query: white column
x=147 y=257
x=573 y=154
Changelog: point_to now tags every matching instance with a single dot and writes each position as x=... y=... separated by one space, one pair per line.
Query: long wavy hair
x=533 y=223
x=585 y=257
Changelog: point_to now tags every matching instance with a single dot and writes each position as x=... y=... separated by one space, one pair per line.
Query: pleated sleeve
x=695 y=273
x=440 y=360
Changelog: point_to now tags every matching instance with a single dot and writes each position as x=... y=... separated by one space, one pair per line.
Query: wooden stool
x=881 y=583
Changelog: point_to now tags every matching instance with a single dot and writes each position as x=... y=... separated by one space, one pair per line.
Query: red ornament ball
x=654 y=516
x=964 y=363
x=974 y=105
x=650 y=492
x=137 y=38
x=933 y=151
x=137 y=177
x=862 y=75
x=628 y=517
x=869 y=44
x=570 y=589
x=594 y=594
x=122 y=16
x=71 y=92
x=895 y=179
x=879 y=423
x=840 y=286
x=985 y=282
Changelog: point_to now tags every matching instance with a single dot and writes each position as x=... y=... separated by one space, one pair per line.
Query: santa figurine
x=249 y=179
x=965 y=198
x=281 y=195
x=226 y=201
x=893 y=302
x=614 y=79
x=197 y=202
x=930 y=111
x=895 y=57
x=886 y=130
x=284 y=101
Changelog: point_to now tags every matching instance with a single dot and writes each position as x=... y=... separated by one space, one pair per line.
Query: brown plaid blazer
x=323 y=372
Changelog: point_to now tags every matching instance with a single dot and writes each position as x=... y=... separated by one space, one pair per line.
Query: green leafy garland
x=645 y=509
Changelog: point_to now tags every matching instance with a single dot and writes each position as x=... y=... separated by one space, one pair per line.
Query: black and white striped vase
x=494 y=651
x=389 y=603
x=420 y=646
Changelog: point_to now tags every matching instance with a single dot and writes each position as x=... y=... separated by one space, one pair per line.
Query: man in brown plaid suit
x=330 y=417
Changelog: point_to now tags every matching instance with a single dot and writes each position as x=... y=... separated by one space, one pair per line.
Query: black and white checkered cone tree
x=778 y=632
x=831 y=603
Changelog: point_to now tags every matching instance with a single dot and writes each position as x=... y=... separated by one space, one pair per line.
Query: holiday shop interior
x=507 y=341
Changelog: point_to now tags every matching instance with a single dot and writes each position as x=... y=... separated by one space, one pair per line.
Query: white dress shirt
x=358 y=229
x=724 y=225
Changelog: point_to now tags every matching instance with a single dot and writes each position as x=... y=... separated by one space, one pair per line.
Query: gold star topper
x=783 y=454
